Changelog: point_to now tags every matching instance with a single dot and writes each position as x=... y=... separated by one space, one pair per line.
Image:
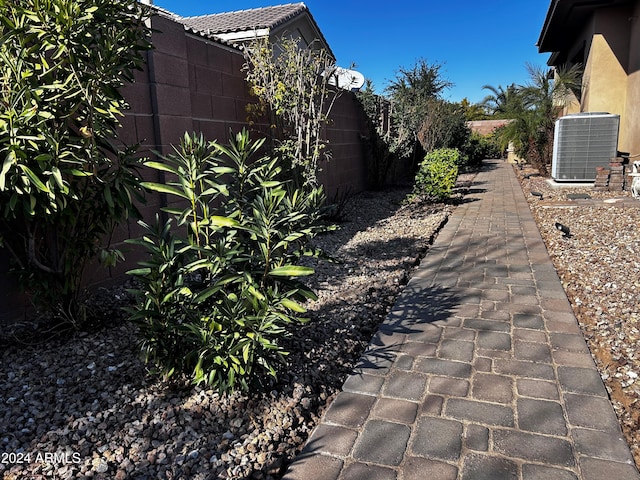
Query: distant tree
x=368 y=98
x=412 y=94
x=422 y=119
x=508 y=103
x=534 y=108
x=444 y=126
x=473 y=111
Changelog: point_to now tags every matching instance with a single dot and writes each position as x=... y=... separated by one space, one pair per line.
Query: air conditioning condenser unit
x=582 y=142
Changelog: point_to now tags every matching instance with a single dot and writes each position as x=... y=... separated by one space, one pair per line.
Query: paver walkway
x=479 y=372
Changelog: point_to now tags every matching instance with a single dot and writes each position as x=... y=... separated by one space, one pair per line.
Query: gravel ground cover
x=599 y=265
x=82 y=405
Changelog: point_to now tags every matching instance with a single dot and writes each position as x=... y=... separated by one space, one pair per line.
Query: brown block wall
x=190 y=83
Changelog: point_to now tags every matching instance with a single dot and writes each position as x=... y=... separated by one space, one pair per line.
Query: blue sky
x=478 y=42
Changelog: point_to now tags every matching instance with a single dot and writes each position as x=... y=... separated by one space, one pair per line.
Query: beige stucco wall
x=605 y=84
x=609 y=47
x=631 y=119
x=571 y=105
x=605 y=87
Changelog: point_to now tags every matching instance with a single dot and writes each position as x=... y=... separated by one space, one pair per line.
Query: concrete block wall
x=190 y=83
x=346 y=168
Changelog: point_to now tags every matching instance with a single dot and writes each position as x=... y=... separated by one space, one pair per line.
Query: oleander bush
x=436 y=175
x=223 y=277
x=65 y=181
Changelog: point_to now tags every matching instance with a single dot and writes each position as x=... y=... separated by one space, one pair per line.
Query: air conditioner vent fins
x=583 y=142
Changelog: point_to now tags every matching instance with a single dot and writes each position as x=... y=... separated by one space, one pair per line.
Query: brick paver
x=480 y=370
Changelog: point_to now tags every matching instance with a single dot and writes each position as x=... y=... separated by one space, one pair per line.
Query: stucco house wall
x=604 y=36
x=605 y=79
x=631 y=120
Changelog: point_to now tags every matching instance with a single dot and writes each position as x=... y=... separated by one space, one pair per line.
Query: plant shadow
x=416 y=317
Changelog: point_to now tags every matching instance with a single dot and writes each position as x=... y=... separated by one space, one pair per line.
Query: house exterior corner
x=603 y=36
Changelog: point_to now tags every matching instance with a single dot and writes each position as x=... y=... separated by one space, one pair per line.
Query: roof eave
x=243 y=35
x=564 y=17
x=319 y=32
x=541 y=43
x=281 y=26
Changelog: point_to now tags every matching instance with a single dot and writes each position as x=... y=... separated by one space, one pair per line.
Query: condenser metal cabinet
x=582 y=142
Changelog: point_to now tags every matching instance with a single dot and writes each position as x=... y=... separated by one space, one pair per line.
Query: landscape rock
x=88 y=393
x=599 y=266
x=115 y=420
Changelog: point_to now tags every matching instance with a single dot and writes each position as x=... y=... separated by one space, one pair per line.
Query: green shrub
x=480 y=147
x=437 y=175
x=64 y=183
x=223 y=279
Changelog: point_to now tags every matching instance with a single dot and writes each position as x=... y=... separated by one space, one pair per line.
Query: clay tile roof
x=267 y=17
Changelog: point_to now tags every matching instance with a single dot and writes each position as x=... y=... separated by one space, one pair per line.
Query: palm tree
x=508 y=103
x=545 y=98
x=534 y=108
x=501 y=101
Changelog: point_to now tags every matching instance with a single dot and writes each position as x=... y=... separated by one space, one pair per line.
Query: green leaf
x=306 y=293
x=46 y=115
x=206 y=293
x=173 y=211
x=292 y=305
x=162 y=166
x=139 y=272
x=57 y=175
x=245 y=352
x=219 y=221
x=6 y=165
x=271 y=184
x=107 y=196
x=162 y=188
x=43 y=157
x=291 y=271
x=255 y=293
x=29 y=137
x=223 y=170
x=186 y=291
x=79 y=173
x=34 y=179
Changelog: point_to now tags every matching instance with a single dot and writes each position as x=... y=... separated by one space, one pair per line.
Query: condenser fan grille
x=583 y=142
